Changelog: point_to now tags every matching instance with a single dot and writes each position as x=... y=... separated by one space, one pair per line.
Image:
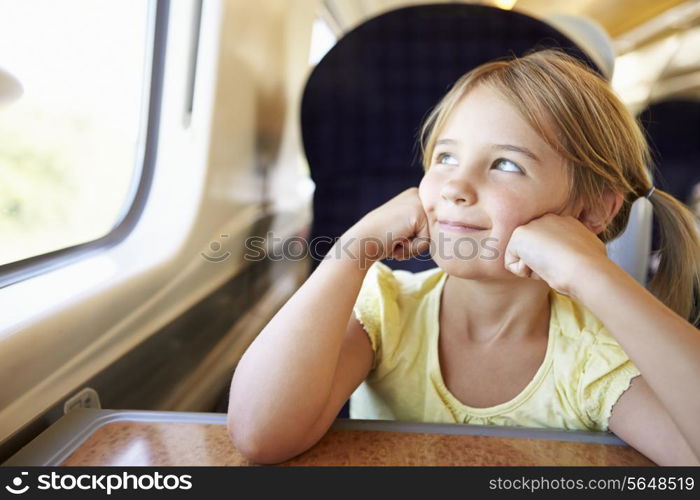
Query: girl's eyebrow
x=446 y=141
x=516 y=149
x=499 y=147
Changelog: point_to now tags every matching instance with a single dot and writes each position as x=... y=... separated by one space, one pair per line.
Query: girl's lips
x=458 y=227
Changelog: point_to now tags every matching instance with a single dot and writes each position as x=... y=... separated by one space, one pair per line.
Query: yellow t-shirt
x=583 y=374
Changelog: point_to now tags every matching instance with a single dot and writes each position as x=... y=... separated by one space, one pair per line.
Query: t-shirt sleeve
x=376 y=305
x=607 y=374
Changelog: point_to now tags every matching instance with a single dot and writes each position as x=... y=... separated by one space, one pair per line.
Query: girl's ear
x=597 y=218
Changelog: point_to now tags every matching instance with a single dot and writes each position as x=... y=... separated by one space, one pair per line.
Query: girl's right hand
x=398 y=229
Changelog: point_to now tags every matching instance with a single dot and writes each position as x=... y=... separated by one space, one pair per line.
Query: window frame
x=14 y=272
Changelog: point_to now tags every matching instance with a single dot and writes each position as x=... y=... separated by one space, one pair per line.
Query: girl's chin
x=473 y=269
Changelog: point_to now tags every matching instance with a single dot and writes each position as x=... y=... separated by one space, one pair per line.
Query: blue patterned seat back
x=673 y=130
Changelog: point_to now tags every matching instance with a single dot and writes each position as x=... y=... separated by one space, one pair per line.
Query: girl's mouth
x=458 y=227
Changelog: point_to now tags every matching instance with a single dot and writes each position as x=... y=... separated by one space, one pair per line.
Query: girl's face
x=489 y=169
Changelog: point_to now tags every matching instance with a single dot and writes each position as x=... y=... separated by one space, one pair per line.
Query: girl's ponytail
x=676 y=283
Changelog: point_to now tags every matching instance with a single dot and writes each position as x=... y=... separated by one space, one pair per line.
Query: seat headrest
x=10 y=87
x=590 y=36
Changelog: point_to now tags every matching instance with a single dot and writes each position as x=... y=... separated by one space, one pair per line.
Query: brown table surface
x=127 y=438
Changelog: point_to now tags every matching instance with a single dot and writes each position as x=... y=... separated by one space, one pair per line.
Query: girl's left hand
x=554 y=248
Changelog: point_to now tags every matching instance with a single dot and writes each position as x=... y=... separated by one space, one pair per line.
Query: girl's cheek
x=511 y=210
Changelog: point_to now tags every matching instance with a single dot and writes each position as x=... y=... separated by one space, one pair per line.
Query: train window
x=69 y=147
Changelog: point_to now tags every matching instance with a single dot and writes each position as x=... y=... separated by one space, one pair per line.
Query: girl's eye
x=446 y=159
x=509 y=166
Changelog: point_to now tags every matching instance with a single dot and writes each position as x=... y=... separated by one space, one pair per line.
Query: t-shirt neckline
x=436 y=372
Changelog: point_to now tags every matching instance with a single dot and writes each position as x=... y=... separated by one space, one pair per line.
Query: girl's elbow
x=255 y=445
x=246 y=443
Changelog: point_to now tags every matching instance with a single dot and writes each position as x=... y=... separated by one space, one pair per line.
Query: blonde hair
x=577 y=113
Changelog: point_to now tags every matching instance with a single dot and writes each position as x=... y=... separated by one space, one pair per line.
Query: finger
x=523 y=270
x=402 y=250
x=513 y=267
x=520 y=269
x=419 y=245
x=423 y=229
x=396 y=243
x=509 y=258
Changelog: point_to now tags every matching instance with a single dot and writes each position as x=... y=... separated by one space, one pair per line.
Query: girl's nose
x=458 y=192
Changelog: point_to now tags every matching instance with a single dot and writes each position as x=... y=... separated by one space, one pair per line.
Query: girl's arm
x=293 y=379
x=639 y=418
x=283 y=382
x=664 y=347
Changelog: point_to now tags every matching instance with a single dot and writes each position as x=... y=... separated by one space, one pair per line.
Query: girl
x=535 y=163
